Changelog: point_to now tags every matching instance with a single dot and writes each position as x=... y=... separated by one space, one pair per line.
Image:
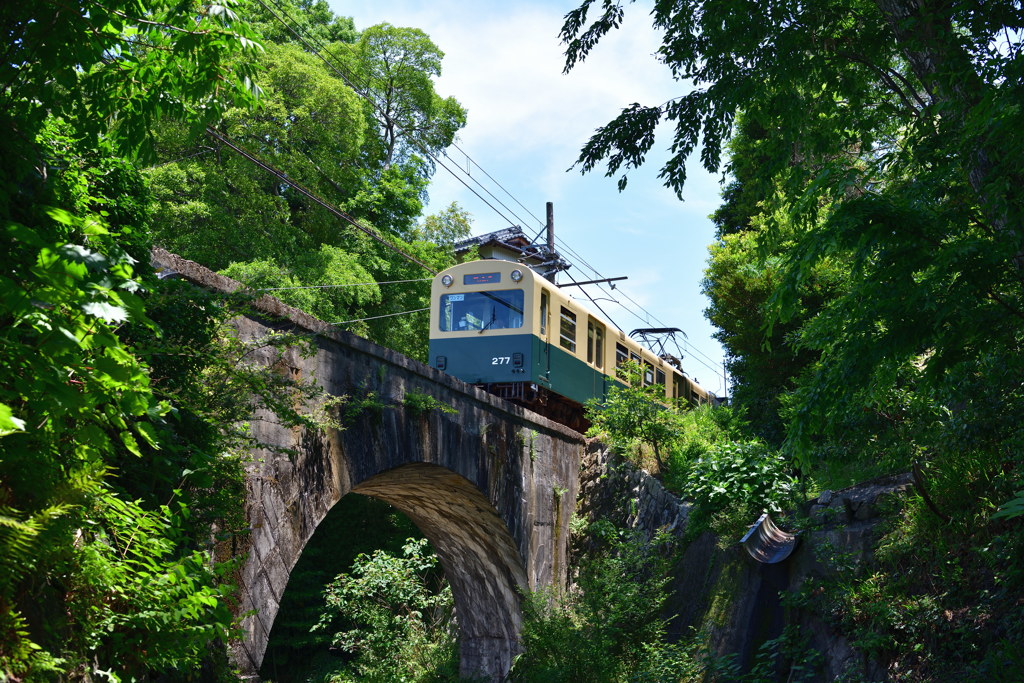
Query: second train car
x=501 y=326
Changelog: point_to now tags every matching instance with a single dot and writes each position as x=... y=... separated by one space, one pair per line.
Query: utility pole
x=551 y=255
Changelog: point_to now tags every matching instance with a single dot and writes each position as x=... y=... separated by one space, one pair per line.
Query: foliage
x=446 y=227
x=878 y=160
x=701 y=430
x=356 y=525
x=121 y=398
x=215 y=207
x=420 y=403
x=397 y=65
x=748 y=477
x=868 y=279
x=764 y=356
x=1012 y=508
x=112 y=69
x=97 y=580
x=633 y=415
x=789 y=654
x=608 y=627
x=312 y=19
x=940 y=602
x=330 y=284
x=395 y=616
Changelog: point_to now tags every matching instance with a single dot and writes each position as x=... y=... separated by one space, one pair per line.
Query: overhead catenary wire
x=348 y=284
x=495 y=181
x=650 y=316
x=378 y=317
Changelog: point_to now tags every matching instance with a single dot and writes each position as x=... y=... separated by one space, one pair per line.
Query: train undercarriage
x=541 y=401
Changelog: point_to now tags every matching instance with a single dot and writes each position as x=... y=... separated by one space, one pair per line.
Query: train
x=501 y=326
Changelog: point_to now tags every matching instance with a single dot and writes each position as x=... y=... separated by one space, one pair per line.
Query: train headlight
x=446 y=280
x=517 y=275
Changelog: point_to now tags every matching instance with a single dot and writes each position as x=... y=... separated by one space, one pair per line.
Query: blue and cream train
x=499 y=325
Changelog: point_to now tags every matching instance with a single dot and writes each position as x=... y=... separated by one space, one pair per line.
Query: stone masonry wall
x=718 y=588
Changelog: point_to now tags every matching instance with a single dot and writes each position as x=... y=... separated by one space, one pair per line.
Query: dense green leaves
x=396 y=67
x=609 y=627
x=396 y=617
x=871 y=236
x=115 y=67
x=103 y=573
x=217 y=208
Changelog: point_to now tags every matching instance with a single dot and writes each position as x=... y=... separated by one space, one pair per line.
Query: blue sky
x=527 y=122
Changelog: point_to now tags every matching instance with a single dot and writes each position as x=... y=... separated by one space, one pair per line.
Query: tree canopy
x=887 y=135
x=353 y=122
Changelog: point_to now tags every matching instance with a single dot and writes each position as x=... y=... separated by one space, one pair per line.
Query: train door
x=595 y=357
x=545 y=332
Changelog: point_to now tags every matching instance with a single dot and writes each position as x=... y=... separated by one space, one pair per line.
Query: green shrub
x=608 y=627
x=392 y=617
x=735 y=482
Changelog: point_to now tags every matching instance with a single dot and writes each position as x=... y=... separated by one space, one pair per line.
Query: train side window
x=648 y=374
x=567 y=331
x=595 y=343
x=677 y=391
x=544 y=314
x=659 y=377
x=621 y=355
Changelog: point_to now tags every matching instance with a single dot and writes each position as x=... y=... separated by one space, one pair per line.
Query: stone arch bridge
x=492 y=486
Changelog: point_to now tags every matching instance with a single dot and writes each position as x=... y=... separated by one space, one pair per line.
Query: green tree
x=890 y=134
x=609 y=627
x=448 y=226
x=312 y=19
x=219 y=209
x=102 y=573
x=633 y=416
x=396 y=67
x=395 y=616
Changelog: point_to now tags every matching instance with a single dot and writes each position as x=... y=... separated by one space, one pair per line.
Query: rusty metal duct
x=767 y=543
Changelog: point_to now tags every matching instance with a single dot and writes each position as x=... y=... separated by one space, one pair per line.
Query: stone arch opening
x=354 y=525
x=480 y=558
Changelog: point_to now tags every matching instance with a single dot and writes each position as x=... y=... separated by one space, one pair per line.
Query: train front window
x=497 y=310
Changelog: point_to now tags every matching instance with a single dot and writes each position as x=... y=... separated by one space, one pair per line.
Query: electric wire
x=350 y=284
x=378 y=317
x=593 y=301
x=718 y=369
x=495 y=181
